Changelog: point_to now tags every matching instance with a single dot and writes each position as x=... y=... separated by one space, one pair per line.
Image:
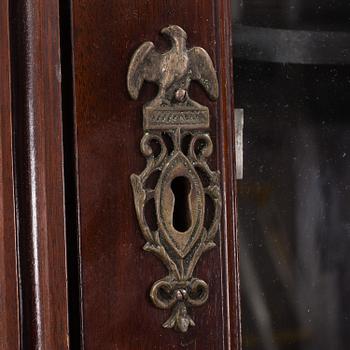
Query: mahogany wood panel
x=39 y=172
x=116 y=273
x=9 y=303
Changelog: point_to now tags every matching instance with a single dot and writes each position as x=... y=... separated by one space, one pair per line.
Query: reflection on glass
x=294 y=206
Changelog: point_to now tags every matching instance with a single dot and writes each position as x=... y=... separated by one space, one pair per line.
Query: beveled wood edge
x=9 y=302
x=39 y=180
x=225 y=127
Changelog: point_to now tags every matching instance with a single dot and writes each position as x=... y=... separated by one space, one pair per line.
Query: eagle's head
x=174 y=32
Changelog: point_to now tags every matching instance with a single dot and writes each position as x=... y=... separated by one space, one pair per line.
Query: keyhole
x=181 y=188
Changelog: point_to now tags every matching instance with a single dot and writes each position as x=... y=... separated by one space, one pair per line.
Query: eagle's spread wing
x=144 y=65
x=202 y=70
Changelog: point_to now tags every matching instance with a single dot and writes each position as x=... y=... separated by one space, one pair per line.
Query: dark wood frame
x=103 y=109
x=227 y=167
x=34 y=305
x=38 y=164
x=9 y=301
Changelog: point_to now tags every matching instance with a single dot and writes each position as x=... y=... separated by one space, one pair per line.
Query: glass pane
x=294 y=201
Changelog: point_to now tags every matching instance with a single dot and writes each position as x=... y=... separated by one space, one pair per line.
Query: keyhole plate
x=181 y=242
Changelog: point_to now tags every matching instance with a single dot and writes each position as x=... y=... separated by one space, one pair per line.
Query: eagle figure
x=173 y=70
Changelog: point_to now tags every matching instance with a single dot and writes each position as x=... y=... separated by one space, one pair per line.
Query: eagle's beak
x=166 y=31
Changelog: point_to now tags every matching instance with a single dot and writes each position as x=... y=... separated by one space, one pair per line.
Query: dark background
x=293 y=201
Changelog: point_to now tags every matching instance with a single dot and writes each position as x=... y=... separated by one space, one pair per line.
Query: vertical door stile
x=9 y=301
x=117 y=275
x=226 y=155
x=38 y=150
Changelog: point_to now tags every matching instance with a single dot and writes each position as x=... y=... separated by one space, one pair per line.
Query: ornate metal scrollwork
x=177 y=125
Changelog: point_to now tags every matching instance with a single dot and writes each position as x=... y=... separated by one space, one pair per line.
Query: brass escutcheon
x=178 y=125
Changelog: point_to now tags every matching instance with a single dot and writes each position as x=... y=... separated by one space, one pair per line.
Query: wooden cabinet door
x=116 y=273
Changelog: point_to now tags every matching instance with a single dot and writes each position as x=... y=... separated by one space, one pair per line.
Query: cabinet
x=73 y=273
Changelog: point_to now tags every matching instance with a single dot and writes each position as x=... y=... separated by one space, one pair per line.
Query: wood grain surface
x=35 y=51
x=116 y=273
x=9 y=302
